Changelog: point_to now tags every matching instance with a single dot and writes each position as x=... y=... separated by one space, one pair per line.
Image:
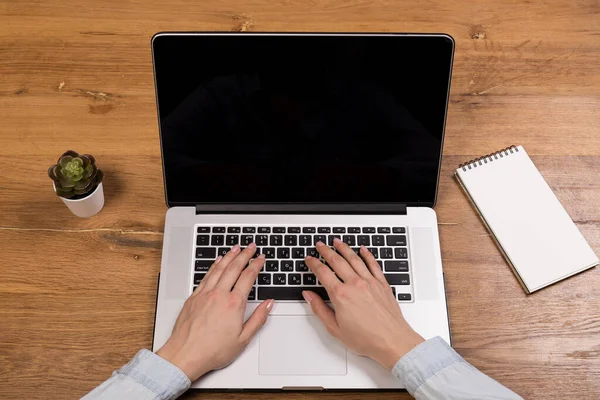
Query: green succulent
x=74 y=175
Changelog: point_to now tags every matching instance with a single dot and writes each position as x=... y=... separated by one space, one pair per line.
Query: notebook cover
x=530 y=226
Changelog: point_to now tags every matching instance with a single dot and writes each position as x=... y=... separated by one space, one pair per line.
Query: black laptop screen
x=303 y=118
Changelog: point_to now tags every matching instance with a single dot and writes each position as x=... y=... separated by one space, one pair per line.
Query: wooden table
x=77 y=295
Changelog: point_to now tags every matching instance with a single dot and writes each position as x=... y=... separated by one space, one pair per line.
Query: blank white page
x=531 y=226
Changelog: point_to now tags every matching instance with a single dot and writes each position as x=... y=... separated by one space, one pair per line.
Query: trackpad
x=299 y=345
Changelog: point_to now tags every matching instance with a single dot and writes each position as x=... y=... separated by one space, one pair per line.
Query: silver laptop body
x=274 y=102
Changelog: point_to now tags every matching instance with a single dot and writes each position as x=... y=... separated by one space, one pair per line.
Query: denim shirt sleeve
x=146 y=377
x=433 y=370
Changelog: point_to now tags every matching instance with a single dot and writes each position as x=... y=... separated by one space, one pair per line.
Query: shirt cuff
x=424 y=361
x=157 y=374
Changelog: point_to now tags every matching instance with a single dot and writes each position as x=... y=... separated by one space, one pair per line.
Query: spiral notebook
x=532 y=229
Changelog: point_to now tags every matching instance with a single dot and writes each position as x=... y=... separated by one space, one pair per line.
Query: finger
x=246 y=281
x=236 y=266
x=352 y=258
x=372 y=264
x=256 y=320
x=214 y=273
x=337 y=263
x=202 y=283
x=322 y=311
x=323 y=273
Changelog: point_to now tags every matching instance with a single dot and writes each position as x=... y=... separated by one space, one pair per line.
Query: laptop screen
x=268 y=118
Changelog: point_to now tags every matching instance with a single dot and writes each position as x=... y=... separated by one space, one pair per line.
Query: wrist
x=398 y=349
x=191 y=369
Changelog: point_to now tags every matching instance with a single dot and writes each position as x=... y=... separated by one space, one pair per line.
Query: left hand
x=210 y=331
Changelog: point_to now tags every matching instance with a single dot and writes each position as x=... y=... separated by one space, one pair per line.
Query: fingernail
x=218 y=259
x=307 y=258
x=362 y=247
x=319 y=244
x=337 y=241
x=270 y=303
x=236 y=248
x=261 y=257
x=307 y=296
x=252 y=245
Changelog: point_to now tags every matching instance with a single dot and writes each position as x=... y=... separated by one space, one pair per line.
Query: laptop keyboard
x=285 y=275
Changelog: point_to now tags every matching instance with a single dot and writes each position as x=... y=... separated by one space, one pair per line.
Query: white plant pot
x=88 y=206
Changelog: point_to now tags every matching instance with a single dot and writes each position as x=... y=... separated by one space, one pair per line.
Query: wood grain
x=77 y=296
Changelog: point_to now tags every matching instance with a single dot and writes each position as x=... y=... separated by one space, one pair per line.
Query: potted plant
x=78 y=183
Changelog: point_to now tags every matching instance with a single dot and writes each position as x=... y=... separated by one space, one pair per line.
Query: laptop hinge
x=306 y=208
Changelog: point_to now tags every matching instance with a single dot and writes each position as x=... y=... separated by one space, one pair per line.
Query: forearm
x=433 y=370
x=146 y=377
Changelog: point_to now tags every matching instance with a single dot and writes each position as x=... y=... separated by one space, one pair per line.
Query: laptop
x=287 y=139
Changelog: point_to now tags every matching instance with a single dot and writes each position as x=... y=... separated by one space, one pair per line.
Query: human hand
x=210 y=331
x=367 y=318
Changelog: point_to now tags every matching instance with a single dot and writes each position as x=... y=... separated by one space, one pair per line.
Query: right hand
x=367 y=318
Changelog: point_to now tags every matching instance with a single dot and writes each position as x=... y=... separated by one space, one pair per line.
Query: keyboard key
x=298 y=252
x=339 y=229
x=396 y=266
x=331 y=237
x=252 y=294
x=262 y=240
x=257 y=252
x=401 y=253
x=264 y=229
x=305 y=240
x=222 y=251
x=380 y=263
x=374 y=251
x=202 y=265
x=294 y=279
x=217 y=240
x=269 y=252
x=272 y=266
x=264 y=279
x=398 y=230
x=396 y=240
x=308 y=229
x=378 y=240
x=248 y=229
x=293 y=229
x=323 y=229
x=206 y=252
x=383 y=230
x=233 y=229
x=279 y=279
x=364 y=240
x=289 y=292
x=194 y=288
x=385 y=252
x=394 y=291
x=353 y=230
x=283 y=252
x=279 y=229
x=350 y=240
x=311 y=251
x=204 y=229
x=291 y=240
x=301 y=266
x=276 y=240
x=287 y=265
x=356 y=250
x=202 y=240
x=218 y=229
x=232 y=240
x=198 y=278
x=368 y=230
x=320 y=238
x=309 y=279
x=397 y=279
x=247 y=239
x=404 y=296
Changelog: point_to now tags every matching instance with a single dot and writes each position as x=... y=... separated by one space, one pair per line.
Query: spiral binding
x=488 y=158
